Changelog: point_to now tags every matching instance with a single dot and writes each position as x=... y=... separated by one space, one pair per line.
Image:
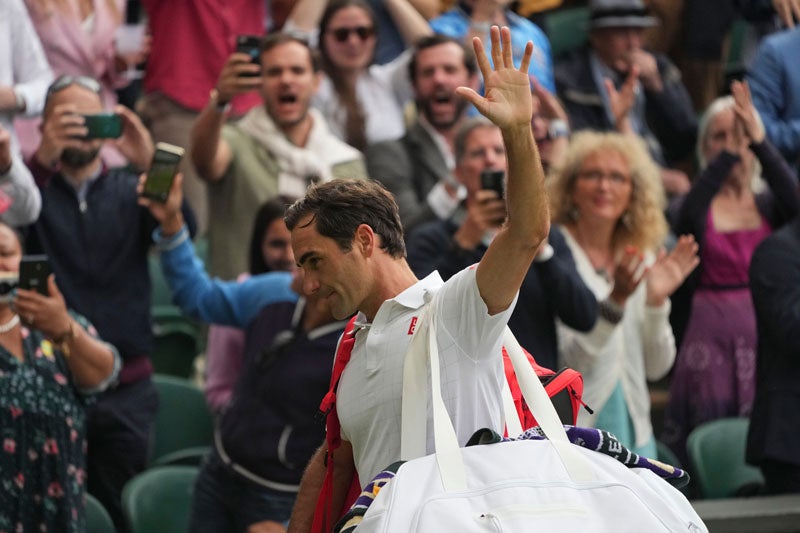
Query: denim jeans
x=224 y=501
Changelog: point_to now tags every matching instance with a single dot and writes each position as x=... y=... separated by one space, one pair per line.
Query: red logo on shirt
x=412 y=325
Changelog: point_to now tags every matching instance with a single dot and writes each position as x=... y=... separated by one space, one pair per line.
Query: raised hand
x=621 y=101
x=628 y=273
x=168 y=214
x=746 y=113
x=238 y=76
x=62 y=128
x=507 y=101
x=787 y=10
x=669 y=270
x=135 y=143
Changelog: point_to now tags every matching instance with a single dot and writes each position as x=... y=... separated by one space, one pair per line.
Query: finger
x=497 y=49
x=610 y=89
x=480 y=57
x=796 y=11
x=524 y=65
x=508 y=49
x=785 y=14
x=472 y=97
x=52 y=288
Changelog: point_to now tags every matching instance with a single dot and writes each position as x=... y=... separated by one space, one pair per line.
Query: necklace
x=8 y=326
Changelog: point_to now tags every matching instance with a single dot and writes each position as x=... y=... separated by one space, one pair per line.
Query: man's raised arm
x=508 y=104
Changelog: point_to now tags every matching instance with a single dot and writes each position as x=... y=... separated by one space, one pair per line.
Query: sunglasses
x=62 y=82
x=343 y=34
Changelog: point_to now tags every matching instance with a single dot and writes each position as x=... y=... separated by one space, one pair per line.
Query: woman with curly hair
x=608 y=197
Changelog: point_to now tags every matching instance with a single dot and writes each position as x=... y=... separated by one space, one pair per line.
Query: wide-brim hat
x=619 y=14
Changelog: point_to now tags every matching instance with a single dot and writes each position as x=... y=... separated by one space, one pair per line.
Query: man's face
x=483 y=150
x=440 y=69
x=81 y=101
x=615 y=46
x=288 y=83
x=329 y=273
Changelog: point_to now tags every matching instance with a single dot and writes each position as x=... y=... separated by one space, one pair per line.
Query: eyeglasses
x=62 y=82
x=343 y=34
x=615 y=178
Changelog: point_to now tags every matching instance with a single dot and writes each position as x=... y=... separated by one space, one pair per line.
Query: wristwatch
x=221 y=107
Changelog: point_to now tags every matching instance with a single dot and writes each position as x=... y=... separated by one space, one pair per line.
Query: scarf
x=300 y=166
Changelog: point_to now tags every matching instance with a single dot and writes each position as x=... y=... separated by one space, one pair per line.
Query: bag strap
x=448 y=454
x=323 y=512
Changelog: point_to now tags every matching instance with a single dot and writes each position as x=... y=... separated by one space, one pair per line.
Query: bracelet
x=61 y=343
x=610 y=311
x=20 y=101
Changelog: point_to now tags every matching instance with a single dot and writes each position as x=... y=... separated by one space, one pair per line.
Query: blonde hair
x=643 y=225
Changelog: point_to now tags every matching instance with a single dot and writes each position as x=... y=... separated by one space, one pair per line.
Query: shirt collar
x=413 y=297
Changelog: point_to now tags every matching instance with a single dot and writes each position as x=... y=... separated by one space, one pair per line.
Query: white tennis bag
x=524 y=485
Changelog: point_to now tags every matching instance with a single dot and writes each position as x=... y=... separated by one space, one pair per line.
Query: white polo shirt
x=368 y=399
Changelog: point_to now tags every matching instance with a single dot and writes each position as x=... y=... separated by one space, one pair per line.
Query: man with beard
x=418 y=168
x=97 y=238
x=276 y=148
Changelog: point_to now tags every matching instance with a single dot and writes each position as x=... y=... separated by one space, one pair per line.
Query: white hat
x=619 y=14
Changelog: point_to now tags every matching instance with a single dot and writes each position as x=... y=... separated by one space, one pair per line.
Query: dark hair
x=437 y=39
x=278 y=38
x=339 y=206
x=269 y=212
x=355 y=120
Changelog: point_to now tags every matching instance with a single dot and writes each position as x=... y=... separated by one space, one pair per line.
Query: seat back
x=97 y=518
x=183 y=419
x=716 y=450
x=159 y=499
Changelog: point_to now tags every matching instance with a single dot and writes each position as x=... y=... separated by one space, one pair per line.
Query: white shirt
x=640 y=347
x=383 y=91
x=369 y=395
x=23 y=64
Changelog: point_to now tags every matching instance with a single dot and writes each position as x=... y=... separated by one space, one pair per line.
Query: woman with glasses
x=51 y=366
x=362 y=102
x=608 y=198
x=713 y=314
x=78 y=37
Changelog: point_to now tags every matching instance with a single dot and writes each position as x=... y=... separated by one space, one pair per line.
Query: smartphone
x=103 y=126
x=33 y=273
x=493 y=180
x=250 y=45
x=162 y=172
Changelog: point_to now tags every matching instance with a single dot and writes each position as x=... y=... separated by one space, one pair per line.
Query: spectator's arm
x=410 y=23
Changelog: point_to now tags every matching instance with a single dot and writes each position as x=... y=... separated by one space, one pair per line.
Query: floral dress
x=43 y=455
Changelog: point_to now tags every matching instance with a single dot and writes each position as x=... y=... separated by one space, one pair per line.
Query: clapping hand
x=508 y=102
x=670 y=270
x=746 y=113
x=621 y=101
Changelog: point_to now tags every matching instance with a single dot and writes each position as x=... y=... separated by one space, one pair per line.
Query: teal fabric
x=614 y=418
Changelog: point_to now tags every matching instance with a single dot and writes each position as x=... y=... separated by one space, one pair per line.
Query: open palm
x=669 y=270
x=507 y=101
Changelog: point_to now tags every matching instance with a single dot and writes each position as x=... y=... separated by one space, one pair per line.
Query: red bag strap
x=323 y=513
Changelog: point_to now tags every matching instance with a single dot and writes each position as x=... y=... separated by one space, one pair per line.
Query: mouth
x=287 y=98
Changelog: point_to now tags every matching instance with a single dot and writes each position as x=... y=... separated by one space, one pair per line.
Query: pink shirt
x=191 y=40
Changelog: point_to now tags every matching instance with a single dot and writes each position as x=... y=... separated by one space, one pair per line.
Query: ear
x=365 y=240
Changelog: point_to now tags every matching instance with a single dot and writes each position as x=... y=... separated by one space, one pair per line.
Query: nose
x=310 y=283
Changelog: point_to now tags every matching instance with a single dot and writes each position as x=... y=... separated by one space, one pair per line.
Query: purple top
x=726 y=255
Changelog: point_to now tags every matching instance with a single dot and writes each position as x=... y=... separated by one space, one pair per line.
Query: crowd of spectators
x=643 y=187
